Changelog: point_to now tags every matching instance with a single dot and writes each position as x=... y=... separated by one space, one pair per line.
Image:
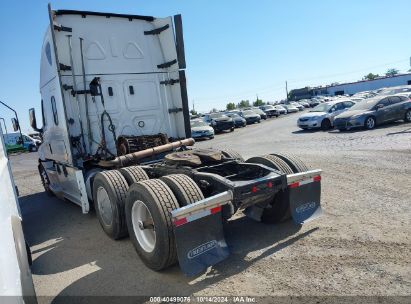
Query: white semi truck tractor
x=116 y=137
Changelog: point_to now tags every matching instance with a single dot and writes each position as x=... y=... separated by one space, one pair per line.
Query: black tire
x=271 y=161
x=278 y=211
x=160 y=201
x=115 y=186
x=293 y=162
x=407 y=116
x=211 y=137
x=325 y=124
x=367 y=123
x=231 y=154
x=32 y=148
x=133 y=174
x=184 y=188
x=232 y=129
x=45 y=180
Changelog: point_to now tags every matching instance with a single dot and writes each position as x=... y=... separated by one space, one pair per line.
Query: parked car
x=304 y=103
x=395 y=90
x=239 y=122
x=356 y=99
x=314 y=102
x=322 y=116
x=290 y=108
x=280 y=109
x=259 y=112
x=250 y=116
x=270 y=110
x=374 y=111
x=200 y=129
x=297 y=105
x=219 y=122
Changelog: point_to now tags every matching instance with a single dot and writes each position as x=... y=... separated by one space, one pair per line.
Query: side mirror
x=33 y=121
x=380 y=106
x=16 y=125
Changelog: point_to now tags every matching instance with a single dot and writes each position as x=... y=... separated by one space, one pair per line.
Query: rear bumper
x=252 y=120
x=271 y=113
x=198 y=227
x=223 y=126
x=202 y=135
x=240 y=123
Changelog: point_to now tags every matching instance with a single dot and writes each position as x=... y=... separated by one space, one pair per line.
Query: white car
x=322 y=116
x=300 y=107
x=290 y=108
x=201 y=129
x=280 y=109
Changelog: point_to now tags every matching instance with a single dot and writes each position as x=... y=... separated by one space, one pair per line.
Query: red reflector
x=180 y=222
x=317 y=178
x=215 y=209
x=294 y=185
x=254 y=189
x=269 y=184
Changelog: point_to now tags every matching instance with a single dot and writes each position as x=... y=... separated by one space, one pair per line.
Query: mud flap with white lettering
x=304 y=196
x=199 y=235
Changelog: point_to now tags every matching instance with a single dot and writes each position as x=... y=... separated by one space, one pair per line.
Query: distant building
x=351 y=87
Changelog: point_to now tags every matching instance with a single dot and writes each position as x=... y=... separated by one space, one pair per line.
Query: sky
x=234 y=49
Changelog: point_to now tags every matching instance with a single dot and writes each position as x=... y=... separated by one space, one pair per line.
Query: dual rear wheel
x=148 y=214
x=127 y=202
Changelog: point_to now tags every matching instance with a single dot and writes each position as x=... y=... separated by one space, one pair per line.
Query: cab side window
x=54 y=109
x=43 y=116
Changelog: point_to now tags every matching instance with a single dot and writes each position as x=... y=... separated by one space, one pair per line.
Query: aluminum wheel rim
x=370 y=123
x=145 y=237
x=104 y=206
x=408 y=116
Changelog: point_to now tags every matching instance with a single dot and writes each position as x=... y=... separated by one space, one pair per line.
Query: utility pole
x=286 y=90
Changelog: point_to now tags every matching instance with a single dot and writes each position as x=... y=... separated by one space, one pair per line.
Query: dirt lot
x=361 y=246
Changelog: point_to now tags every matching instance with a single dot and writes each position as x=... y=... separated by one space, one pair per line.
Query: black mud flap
x=200 y=241
x=304 y=198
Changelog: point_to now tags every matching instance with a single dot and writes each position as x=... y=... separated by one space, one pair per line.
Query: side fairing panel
x=56 y=138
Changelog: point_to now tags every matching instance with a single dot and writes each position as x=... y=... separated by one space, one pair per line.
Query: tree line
x=390 y=72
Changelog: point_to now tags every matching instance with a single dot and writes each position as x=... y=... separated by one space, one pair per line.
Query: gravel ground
x=361 y=246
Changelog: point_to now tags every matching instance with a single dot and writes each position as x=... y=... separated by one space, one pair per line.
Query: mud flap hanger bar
x=302 y=177
x=207 y=203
